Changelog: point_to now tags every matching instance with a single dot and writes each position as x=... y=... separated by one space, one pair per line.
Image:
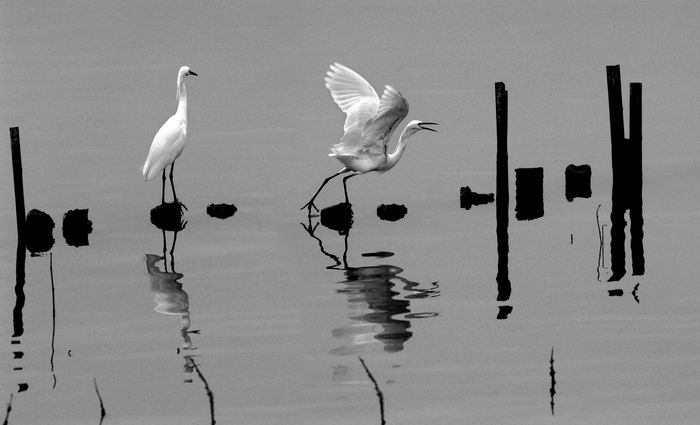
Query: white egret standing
x=170 y=140
x=369 y=125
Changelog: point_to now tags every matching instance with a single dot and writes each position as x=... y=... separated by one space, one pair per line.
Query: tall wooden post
x=635 y=180
x=627 y=176
x=502 y=192
x=19 y=184
x=619 y=198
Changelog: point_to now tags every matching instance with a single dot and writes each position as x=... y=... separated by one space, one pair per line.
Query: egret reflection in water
x=169 y=295
x=378 y=301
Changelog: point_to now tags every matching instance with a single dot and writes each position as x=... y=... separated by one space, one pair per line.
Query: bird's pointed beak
x=423 y=126
x=193 y=73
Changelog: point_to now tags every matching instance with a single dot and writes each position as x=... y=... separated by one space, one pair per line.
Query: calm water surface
x=273 y=314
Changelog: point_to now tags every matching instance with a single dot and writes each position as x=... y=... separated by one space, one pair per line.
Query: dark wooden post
x=619 y=198
x=19 y=184
x=502 y=192
x=627 y=176
x=17 y=318
x=635 y=179
x=529 y=193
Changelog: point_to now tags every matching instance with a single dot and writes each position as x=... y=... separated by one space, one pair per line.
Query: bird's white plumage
x=169 y=141
x=368 y=127
x=168 y=144
x=370 y=120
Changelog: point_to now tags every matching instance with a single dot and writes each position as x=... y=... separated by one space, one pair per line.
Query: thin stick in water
x=552 y=391
x=99 y=397
x=380 y=396
x=210 y=394
x=9 y=409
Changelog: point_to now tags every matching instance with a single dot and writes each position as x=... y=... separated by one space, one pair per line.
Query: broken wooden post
x=19 y=184
x=529 y=193
x=502 y=192
x=577 y=181
x=627 y=175
x=635 y=180
x=617 y=140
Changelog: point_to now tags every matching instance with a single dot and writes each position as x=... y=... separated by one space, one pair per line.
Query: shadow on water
x=171 y=299
x=376 y=294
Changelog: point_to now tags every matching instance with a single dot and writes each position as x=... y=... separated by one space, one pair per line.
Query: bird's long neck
x=394 y=157
x=181 y=97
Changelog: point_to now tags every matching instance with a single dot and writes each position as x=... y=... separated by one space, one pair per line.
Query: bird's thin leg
x=172 y=183
x=345 y=188
x=172 y=253
x=162 y=192
x=310 y=204
x=165 y=247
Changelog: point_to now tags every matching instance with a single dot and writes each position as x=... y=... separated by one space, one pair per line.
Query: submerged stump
x=337 y=217
x=578 y=181
x=221 y=211
x=467 y=198
x=77 y=227
x=529 y=195
x=391 y=212
x=168 y=217
x=38 y=230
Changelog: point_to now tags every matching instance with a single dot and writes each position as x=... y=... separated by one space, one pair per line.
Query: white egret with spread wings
x=369 y=125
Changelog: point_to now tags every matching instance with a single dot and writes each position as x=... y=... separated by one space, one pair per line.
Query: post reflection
x=378 y=299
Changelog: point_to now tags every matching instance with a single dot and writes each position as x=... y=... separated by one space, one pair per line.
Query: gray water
x=278 y=323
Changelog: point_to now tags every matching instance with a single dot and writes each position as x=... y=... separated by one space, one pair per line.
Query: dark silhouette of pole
x=635 y=192
x=19 y=184
x=627 y=176
x=619 y=201
x=18 y=322
x=502 y=193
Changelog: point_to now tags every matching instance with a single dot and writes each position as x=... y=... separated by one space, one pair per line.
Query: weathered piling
x=17 y=177
x=39 y=232
x=502 y=192
x=577 y=181
x=467 y=198
x=221 y=211
x=76 y=227
x=627 y=175
x=635 y=182
x=617 y=141
x=529 y=193
x=391 y=212
x=338 y=217
x=168 y=217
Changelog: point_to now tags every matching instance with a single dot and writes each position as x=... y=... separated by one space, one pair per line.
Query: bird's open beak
x=423 y=126
x=193 y=73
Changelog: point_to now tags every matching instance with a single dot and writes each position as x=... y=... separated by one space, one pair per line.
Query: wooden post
x=529 y=193
x=19 y=184
x=502 y=192
x=619 y=198
x=17 y=317
x=635 y=180
x=627 y=176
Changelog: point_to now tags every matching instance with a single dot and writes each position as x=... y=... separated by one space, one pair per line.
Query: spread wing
x=357 y=98
x=393 y=108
